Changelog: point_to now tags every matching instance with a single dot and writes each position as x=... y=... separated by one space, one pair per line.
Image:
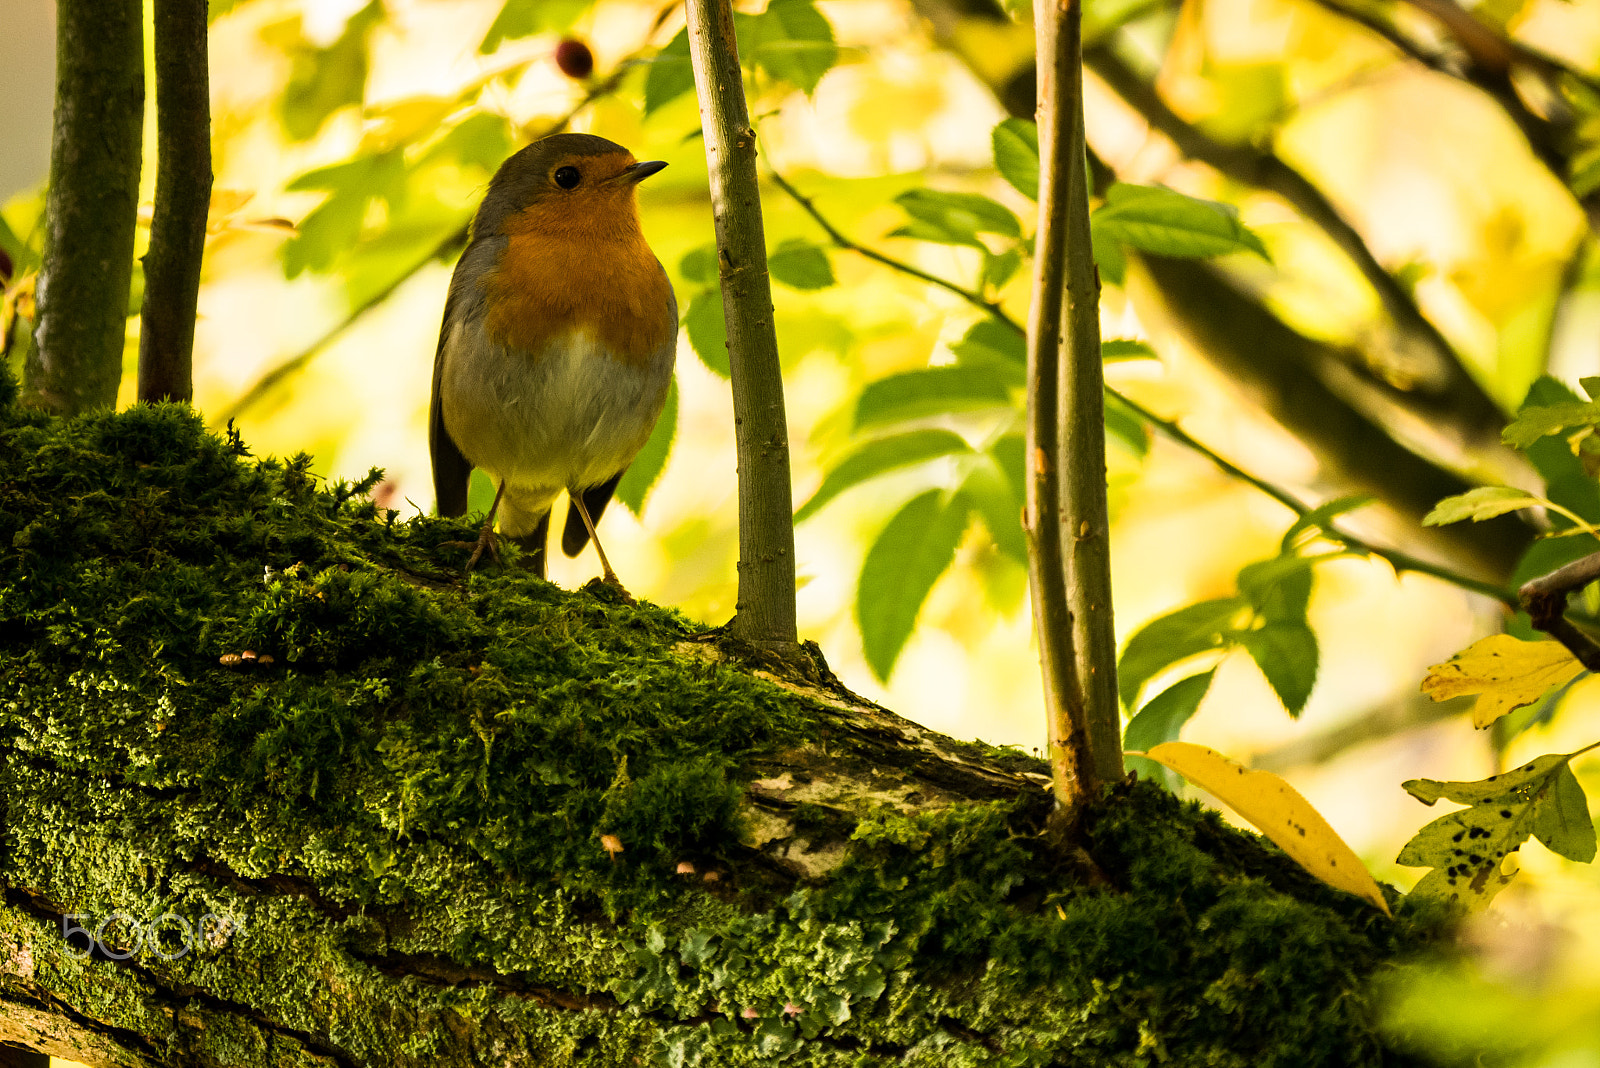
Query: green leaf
x=1008 y=454
x=916 y=547
x=1561 y=819
x=1536 y=421
x=792 y=41
x=1121 y=348
x=879 y=457
x=1565 y=480
x=998 y=269
x=991 y=494
x=1168 y=223
x=1480 y=503
x=699 y=266
x=1128 y=427
x=1016 y=155
x=931 y=391
x=670 y=74
x=1320 y=517
x=323 y=80
x=481 y=139
x=1109 y=258
x=1286 y=653
x=990 y=341
x=524 y=18
x=1176 y=636
x=1163 y=716
x=955 y=218
x=801 y=264
x=334 y=228
x=708 y=331
x=646 y=468
x=1279 y=589
x=1519 y=784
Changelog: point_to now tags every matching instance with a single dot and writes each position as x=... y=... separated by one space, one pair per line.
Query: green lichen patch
x=404 y=817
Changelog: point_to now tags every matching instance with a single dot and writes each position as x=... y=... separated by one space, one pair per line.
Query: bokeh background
x=1440 y=184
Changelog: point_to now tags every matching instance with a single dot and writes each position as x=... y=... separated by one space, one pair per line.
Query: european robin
x=557 y=345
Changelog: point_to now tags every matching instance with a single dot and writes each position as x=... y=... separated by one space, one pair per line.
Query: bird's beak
x=638 y=172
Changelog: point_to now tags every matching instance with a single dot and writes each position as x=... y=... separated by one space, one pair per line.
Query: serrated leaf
x=1561 y=819
x=801 y=264
x=1478 y=504
x=1279 y=588
x=1504 y=672
x=707 y=331
x=1016 y=155
x=646 y=468
x=914 y=549
x=1122 y=348
x=1278 y=811
x=931 y=391
x=1168 y=223
x=1536 y=421
x=670 y=74
x=955 y=218
x=1168 y=639
x=998 y=269
x=879 y=457
x=481 y=139
x=1286 y=653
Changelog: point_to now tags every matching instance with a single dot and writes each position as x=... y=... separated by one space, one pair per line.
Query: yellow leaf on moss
x=1504 y=672
x=1278 y=811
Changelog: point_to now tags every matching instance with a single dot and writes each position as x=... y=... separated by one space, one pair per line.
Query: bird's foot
x=487 y=542
x=610 y=588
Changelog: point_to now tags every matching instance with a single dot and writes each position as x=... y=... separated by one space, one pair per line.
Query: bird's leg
x=486 y=535
x=583 y=513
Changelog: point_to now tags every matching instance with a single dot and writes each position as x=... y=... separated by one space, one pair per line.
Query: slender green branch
x=1400 y=561
x=183 y=197
x=1066 y=517
x=765 y=614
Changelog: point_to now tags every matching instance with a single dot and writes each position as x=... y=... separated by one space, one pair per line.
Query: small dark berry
x=574 y=59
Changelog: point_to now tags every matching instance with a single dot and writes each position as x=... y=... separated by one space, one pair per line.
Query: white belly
x=566 y=418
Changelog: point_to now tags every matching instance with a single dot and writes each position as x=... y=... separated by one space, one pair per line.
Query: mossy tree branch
x=1067 y=522
x=766 y=606
x=92 y=208
x=183 y=198
x=405 y=812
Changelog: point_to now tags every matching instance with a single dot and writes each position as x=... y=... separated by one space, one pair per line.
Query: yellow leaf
x=1504 y=672
x=1278 y=810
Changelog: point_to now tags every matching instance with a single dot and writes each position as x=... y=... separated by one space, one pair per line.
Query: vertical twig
x=766 y=609
x=1069 y=568
x=183 y=196
x=76 y=362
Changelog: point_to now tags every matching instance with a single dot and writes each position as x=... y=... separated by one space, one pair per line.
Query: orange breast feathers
x=585 y=268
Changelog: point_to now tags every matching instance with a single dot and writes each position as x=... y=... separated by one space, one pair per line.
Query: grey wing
x=451 y=470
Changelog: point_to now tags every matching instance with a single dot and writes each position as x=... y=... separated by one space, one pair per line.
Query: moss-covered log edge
x=407 y=813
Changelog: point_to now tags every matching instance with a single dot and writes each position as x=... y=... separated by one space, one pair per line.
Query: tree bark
x=766 y=607
x=76 y=363
x=183 y=199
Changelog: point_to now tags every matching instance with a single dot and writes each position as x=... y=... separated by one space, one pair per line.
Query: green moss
x=404 y=810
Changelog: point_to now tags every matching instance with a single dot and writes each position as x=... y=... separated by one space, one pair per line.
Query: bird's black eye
x=567 y=177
